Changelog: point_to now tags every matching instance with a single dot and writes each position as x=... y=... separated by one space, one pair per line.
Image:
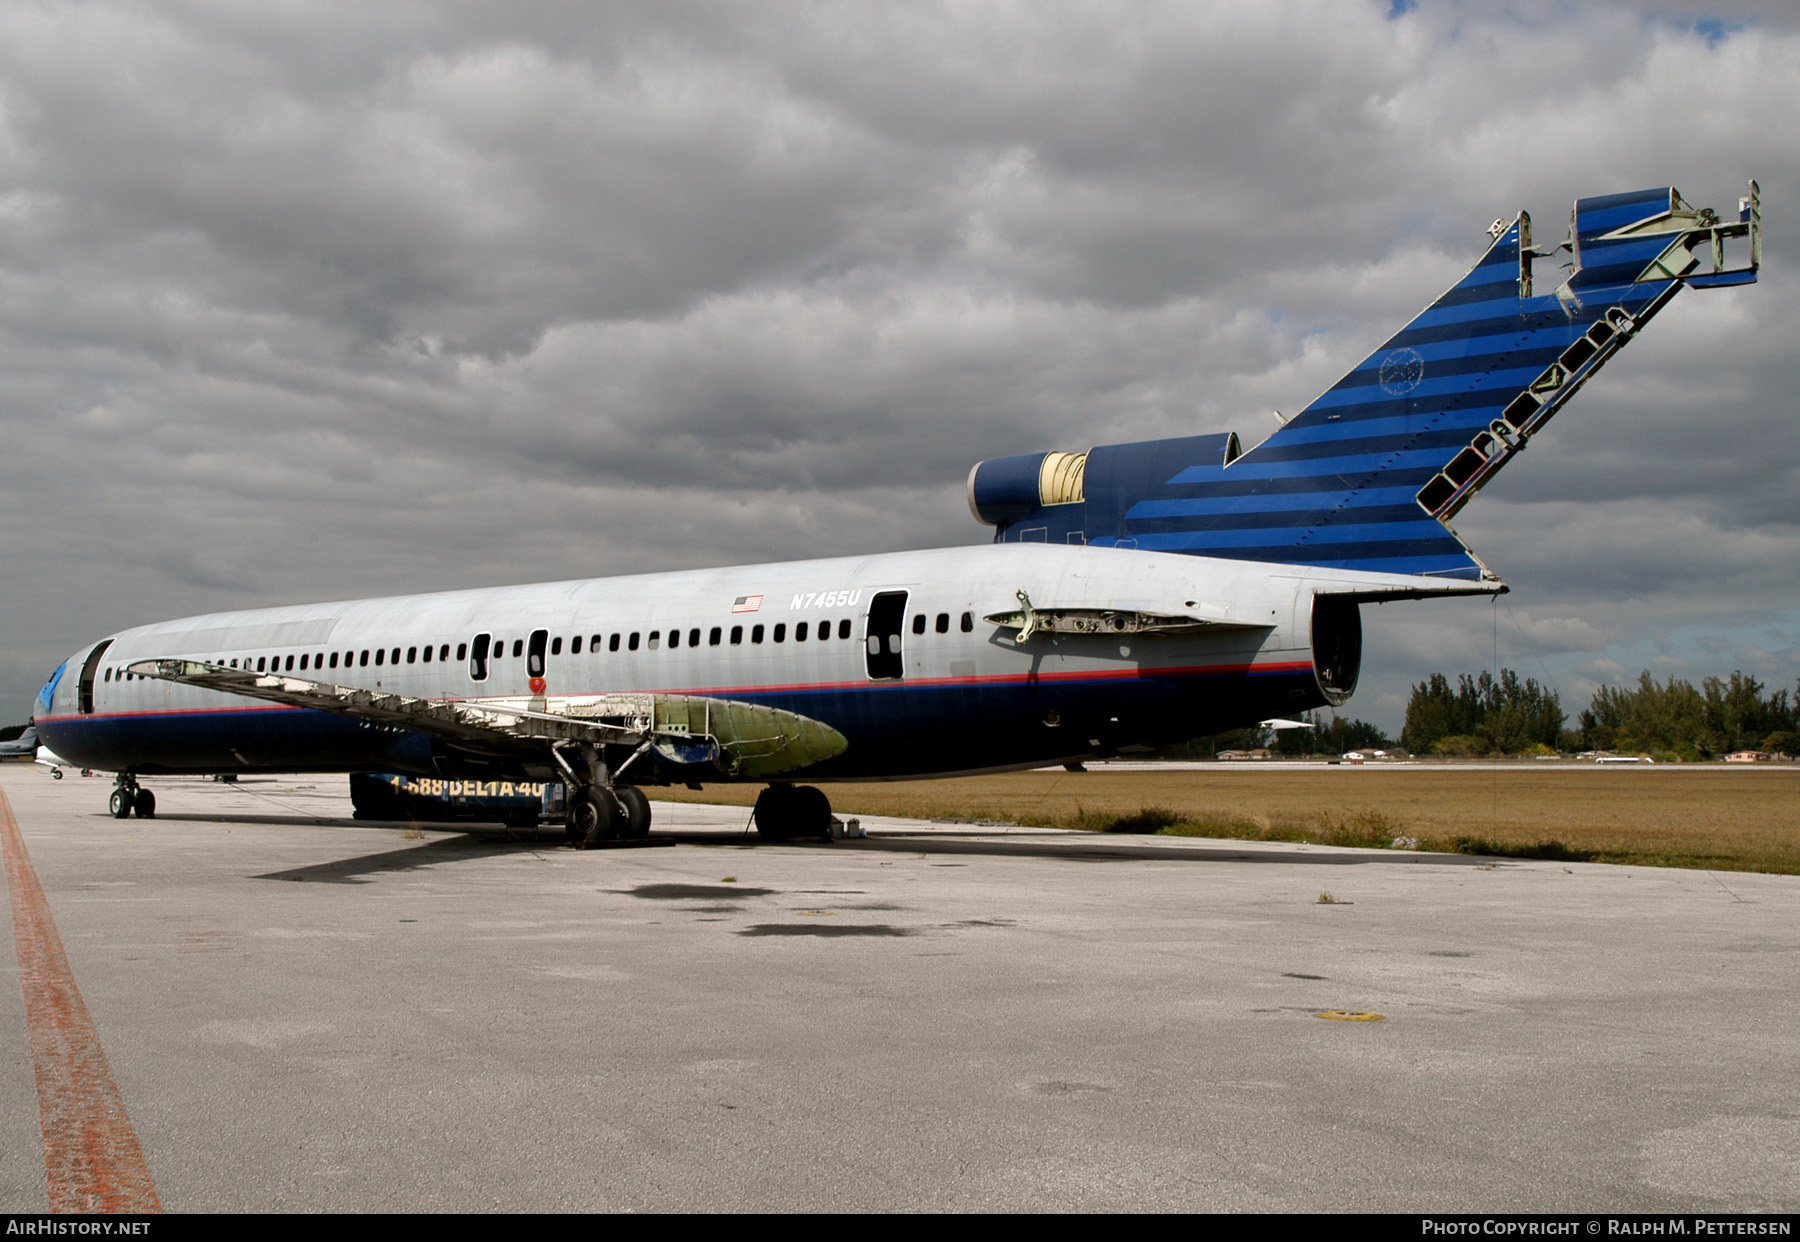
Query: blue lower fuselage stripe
x=1000 y=718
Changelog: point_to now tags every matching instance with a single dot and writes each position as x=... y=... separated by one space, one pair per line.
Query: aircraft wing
x=734 y=737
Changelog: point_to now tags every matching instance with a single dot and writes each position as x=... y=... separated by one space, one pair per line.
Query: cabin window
x=694 y=637
x=498 y=650
x=594 y=644
x=363 y=660
x=107 y=676
x=556 y=645
x=968 y=623
x=612 y=644
x=631 y=644
x=674 y=639
x=234 y=664
x=756 y=633
x=574 y=645
x=518 y=647
x=425 y=654
x=380 y=656
x=444 y=653
x=394 y=658
x=262 y=662
x=712 y=639
x=824 y=630
x=844 y=628
x=943 y=623
x=412 y=655
x=462 y=650
x=290 y=664
x=303 y=662
x=800 y=632
x=478 y=658
x=919 y=624
x=781 y=632
x=655 y=639
x=737 y=635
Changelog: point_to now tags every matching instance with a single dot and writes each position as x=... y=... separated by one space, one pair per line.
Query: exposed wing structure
x=735 y=738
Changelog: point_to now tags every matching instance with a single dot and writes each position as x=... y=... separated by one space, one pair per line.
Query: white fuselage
x=967 y=695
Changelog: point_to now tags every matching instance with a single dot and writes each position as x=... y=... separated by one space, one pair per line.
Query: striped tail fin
x=1368 y=476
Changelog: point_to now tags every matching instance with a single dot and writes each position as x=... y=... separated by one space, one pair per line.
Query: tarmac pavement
x=307 y=1013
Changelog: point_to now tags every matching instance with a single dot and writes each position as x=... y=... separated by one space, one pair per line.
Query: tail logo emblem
x=1401 y=372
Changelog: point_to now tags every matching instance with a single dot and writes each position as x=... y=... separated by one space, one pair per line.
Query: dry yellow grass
x=1729 y=819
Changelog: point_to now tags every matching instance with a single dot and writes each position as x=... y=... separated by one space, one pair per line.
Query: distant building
x=1749 y=756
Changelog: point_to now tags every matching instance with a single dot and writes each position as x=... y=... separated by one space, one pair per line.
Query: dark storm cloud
x=301 y=303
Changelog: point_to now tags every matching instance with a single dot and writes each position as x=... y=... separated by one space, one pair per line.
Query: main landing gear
x=129 y=796
x=602 y=813
x=793 y=812
x=599 y=811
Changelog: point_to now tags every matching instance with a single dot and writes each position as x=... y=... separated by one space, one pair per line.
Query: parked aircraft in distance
x=1134 y=595
x=22 y=747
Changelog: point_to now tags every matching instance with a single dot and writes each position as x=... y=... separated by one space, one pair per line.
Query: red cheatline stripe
x=91 y=1155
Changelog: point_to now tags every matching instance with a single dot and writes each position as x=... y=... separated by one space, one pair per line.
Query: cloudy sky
x=307 y=302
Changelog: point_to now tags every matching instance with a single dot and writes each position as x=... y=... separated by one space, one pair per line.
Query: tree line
x=1483 y=714
x=1670 y=720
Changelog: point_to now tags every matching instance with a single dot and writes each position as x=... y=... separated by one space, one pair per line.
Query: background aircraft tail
x=1368 y=476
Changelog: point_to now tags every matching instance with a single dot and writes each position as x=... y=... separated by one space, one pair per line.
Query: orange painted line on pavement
x=91 y=1154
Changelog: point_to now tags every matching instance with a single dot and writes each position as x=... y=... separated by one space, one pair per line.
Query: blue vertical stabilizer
x=1367 y=476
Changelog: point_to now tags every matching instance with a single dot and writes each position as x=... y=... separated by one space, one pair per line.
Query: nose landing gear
x=128 y=796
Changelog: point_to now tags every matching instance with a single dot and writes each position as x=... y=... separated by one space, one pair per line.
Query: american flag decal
x=746 y=603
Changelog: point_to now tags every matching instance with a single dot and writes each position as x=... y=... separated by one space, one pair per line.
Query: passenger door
x=886 y=622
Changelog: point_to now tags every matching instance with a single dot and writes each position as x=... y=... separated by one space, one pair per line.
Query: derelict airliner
x=1134 y=595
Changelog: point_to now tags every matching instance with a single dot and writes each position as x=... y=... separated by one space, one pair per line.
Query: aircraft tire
x=120 y=803
x=144 y=804
x=774 y=813
x=597 y=815
x=811 y=813
x=56 y=774
x=636 y=823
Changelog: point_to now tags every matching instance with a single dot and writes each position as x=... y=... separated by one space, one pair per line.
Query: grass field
x=1719 y=818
